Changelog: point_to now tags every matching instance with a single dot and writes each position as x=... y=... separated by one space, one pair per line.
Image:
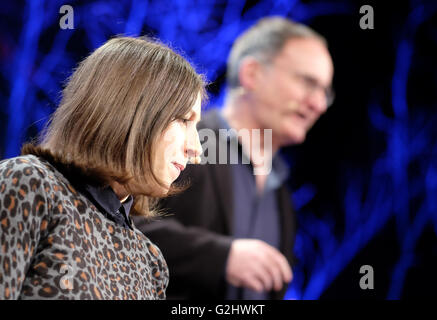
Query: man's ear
x=249 y=73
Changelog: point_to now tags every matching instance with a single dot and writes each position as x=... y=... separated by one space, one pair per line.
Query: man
x=231 y=234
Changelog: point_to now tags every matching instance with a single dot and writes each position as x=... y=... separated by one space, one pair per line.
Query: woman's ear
x=249 y=73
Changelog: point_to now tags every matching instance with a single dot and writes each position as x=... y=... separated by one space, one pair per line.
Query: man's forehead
x=307 y=55
x=303 y=44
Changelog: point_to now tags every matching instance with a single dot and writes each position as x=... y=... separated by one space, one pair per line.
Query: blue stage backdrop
x=365 y=181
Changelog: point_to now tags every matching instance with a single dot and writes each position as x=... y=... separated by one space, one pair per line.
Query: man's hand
x=256 y=265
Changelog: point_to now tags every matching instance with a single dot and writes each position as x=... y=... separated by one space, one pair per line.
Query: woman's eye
x=185 y=121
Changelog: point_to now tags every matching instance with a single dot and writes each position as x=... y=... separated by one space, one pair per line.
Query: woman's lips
x=178 y=166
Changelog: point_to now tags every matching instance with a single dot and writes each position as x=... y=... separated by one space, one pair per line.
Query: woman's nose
x=194 y=148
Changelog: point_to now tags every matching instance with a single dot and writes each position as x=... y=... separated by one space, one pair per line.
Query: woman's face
x=178 y=143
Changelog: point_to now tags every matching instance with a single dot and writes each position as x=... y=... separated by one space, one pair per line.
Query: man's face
x=290 y=92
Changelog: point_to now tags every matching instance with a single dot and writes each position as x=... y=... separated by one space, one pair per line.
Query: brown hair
x=114 y=107
x=264 y=41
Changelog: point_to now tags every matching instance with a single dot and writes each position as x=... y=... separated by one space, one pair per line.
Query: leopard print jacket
x=55 y=244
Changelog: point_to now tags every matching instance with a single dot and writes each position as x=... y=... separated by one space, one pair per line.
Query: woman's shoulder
x=26 y=166
x=23 y=195
x=27 y=174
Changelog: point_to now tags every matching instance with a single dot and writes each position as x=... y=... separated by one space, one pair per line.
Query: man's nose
x=318 y=101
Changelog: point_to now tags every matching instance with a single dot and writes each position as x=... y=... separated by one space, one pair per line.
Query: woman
x=124 y=130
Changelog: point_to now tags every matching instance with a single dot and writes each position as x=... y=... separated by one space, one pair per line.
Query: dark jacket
x=195 y=239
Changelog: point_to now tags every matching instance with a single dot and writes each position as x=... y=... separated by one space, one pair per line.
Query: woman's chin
x=154 y=190
x=160 y=191
x=165 y=188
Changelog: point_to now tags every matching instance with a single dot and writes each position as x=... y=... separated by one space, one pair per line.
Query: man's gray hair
x=264 y=41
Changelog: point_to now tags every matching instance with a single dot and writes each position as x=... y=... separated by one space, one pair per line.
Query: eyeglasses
x=311 y=85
